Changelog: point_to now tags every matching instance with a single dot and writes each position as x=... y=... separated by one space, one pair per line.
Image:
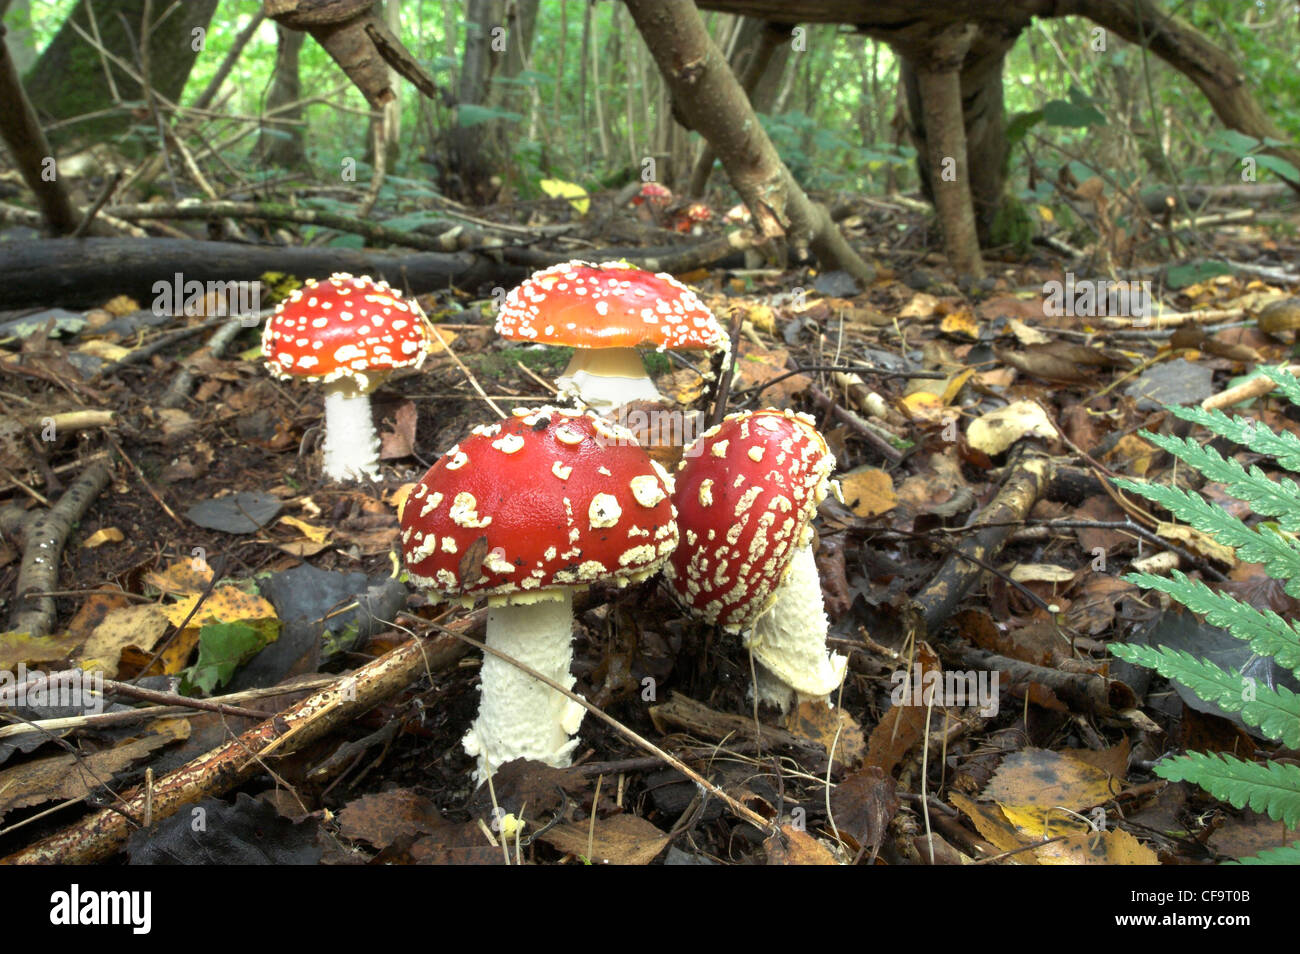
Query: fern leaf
x=1275 y=711
x=1274 y=498
x=1264 y=545
x=1286 y=382
x=1267 y=632
x=1282 y=855
x=1270 y=787
x=1246 y=431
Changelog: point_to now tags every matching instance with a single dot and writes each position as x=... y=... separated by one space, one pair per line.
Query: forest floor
x=218 y=555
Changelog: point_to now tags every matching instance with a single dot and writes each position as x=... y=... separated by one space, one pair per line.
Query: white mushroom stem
x=351 y=450
x=607 y=378
x=519 y=716
x=789 y=640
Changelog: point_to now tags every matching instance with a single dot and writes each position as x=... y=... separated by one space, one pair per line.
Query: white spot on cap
x=647 y=490
x=604 y=511
x=464 y=511
x=509 y=444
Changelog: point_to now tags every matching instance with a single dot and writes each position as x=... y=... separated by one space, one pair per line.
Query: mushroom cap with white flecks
x=546 y=499
x=345 y=326
x=611 y=305
x=747 y=491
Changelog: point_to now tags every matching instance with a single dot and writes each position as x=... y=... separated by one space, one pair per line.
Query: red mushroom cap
x=344 y=326
x=747 y=491
x=549 y=498
x=656 y=195
x=611 y=305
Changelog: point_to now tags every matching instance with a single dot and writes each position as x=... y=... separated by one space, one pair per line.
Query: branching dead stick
x=1083 y=691
x=179 y=389
x=1023 y=488
x=41 y=551
x=100 y=835
x=858 y=424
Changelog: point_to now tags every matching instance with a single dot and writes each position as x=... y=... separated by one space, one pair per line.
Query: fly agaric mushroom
x=525 y=512
x=605 y=312
x=747 y=491
x=653 y=197
x=692 y=218
x=348 y=332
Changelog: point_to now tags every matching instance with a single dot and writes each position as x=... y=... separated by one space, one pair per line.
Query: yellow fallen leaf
x=1200 y=542
x=99 y=348
x=924 y=406
x=559 y=189
x=398 y=497
x=954 y=385
x=868 y=491
x=226 y=604
x=961 y=324
x=140 y=626
x=313 y=533
x=183 y=576
x=102 y=536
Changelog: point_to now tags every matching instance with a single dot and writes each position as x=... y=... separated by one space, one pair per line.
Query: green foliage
x=223 y=648
x=1270 y=787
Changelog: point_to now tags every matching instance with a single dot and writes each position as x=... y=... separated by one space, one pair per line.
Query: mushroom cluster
x=525 y=512
x=747 y=491
x=348 y=332
x=606 y=312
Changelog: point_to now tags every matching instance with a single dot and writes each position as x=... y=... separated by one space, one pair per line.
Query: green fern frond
x=1267 y=632
x=1269 y=787
x=1286 y=382
x=1280 y=557
x=1274 y=711
x=1282 y=855
x=1246 y=431
x=1274 y=498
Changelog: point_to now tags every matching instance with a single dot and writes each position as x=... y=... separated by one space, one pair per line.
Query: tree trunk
x=71 y=79
x=708 y=99
x=282 y=145
x=937 y=79
x=29 y=150
x=762 y=50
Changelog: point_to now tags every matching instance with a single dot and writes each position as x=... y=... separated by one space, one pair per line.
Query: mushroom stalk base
x=351 y=450
x=607 y=378
x=789 y=641
x=519 y=716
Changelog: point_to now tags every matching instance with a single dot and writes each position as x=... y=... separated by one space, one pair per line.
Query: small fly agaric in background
x=349 y=333
x=692 y=218
x=605 y=312
x=747 y=492
x=525 y=512
x=652 y=200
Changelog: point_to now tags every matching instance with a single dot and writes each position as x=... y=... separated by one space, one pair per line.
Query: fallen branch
x=100 y=835
x=43 y=547
x=179 y=390
x=1026 y=484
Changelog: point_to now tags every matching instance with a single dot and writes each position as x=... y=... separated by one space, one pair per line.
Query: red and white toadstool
x=747 y=492
x=524 y=512
x=349 y=333
x=606 y=312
